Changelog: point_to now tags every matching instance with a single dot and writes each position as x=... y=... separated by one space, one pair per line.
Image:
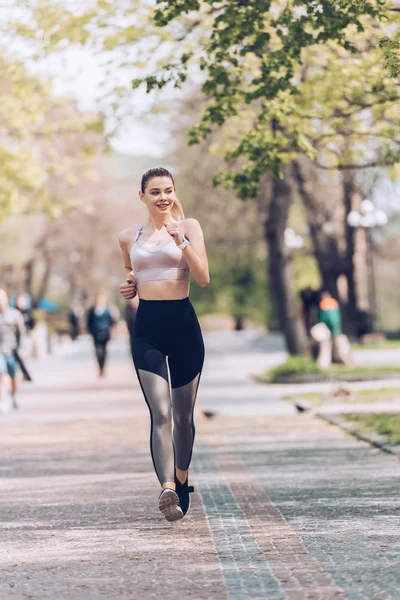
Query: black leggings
x=169 y=328
x=100 y=349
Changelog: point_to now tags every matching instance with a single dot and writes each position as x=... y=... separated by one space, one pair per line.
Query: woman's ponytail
x=177 y=211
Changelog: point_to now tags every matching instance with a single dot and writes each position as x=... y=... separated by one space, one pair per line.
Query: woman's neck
x=157 y=224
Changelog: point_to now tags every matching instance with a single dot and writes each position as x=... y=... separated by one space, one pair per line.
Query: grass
x=316 y=398
x=386 y=424
x=294 y=365
x=301 y=365
x=382 y=345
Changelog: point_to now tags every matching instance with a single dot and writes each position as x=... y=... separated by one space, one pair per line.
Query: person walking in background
x=99 y=324
x=158 y=259
x=330 y=314
x=12 y=338
x=333 y=345
x=310 y=307
x=75 y=316
x=23 y=303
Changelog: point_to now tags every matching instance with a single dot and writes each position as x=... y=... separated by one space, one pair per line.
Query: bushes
x=294 y=365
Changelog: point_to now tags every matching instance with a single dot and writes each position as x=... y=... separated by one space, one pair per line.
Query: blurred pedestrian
x=310 y=300
x=23 y=303
x=334 y=346
x=158 y=259
x=12 y=339
x=75 y=316
x=330 y=314
x=99 y=324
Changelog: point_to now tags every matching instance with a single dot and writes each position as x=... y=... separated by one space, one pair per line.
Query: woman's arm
x=125 y=243
x=195 y=253
x=128 y=289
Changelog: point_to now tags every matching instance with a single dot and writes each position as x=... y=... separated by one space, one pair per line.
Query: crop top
x=154 y=263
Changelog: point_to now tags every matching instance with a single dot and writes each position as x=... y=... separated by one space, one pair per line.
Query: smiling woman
x=159 y=259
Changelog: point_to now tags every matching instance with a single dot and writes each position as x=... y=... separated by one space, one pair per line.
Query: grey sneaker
x=168 y=503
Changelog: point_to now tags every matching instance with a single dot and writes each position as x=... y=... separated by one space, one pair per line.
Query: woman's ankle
x=170 y=485
x=181 y=475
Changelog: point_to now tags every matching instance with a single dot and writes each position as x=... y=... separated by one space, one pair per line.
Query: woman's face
x=159 y=195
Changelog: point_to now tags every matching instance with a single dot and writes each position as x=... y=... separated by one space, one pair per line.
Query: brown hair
x=177 y=210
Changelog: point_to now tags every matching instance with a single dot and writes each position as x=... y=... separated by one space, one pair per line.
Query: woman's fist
x=176 y=231
x=128 y=290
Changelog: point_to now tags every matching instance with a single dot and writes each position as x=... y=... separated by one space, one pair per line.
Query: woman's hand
x=176 y=231
x=128 y=290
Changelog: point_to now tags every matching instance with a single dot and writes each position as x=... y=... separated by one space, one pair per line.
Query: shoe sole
x=190 y=503
x=169 y=506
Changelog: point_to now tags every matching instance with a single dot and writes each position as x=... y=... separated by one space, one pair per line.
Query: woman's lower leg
x=181 y=474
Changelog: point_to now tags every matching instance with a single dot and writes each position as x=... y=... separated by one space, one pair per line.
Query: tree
x=263 y=64
x=77 y=252
x=251 y=58
x=249 y=54
x=349 y=110
x=45 y=143
x=234 y=234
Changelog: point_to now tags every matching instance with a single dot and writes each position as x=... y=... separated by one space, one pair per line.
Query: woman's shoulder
x=191 y=224
x=126 y=236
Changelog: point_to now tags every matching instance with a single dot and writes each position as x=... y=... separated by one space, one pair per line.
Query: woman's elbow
x=204 y=282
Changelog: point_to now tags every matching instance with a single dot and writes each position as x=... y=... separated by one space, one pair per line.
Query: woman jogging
x=158 y=259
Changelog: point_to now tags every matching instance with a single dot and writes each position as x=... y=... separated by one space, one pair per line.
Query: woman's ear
x=141 y=196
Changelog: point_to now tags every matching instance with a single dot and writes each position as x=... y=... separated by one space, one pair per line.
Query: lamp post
x=292 y=239
x=369 y=217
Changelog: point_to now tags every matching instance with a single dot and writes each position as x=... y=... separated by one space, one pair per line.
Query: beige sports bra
x=155 y=263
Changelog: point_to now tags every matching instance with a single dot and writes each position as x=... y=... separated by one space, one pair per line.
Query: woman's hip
x=166 y=319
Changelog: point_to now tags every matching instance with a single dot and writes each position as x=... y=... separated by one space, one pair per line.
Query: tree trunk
x=28 y=276
x=45 y=280
x=332 y=261
x=349 y=268
x=325 y=245
x=279 y=268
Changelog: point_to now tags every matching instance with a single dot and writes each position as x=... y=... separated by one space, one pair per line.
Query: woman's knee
x=161 y=417
x=183 y=421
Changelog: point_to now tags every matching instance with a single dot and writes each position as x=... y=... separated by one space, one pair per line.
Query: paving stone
x=285 y=507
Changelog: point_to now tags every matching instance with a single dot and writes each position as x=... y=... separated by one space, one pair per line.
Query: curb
x=375 y=440
x=321 y=378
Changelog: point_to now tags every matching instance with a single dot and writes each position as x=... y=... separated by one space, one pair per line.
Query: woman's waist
x=163 y=290
x=169 y=309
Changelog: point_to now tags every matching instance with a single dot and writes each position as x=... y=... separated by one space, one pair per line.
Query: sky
x=81 y=74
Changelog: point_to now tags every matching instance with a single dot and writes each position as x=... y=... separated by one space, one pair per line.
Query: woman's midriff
x=163 y=290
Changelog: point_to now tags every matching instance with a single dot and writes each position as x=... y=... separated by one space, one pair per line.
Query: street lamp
x=367 y=218
x=292 y=240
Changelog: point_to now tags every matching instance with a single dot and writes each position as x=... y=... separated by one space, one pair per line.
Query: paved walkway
x=287 y=506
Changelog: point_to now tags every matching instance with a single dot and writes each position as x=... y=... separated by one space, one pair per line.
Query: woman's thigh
x=186 y=354
x=147 y=357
